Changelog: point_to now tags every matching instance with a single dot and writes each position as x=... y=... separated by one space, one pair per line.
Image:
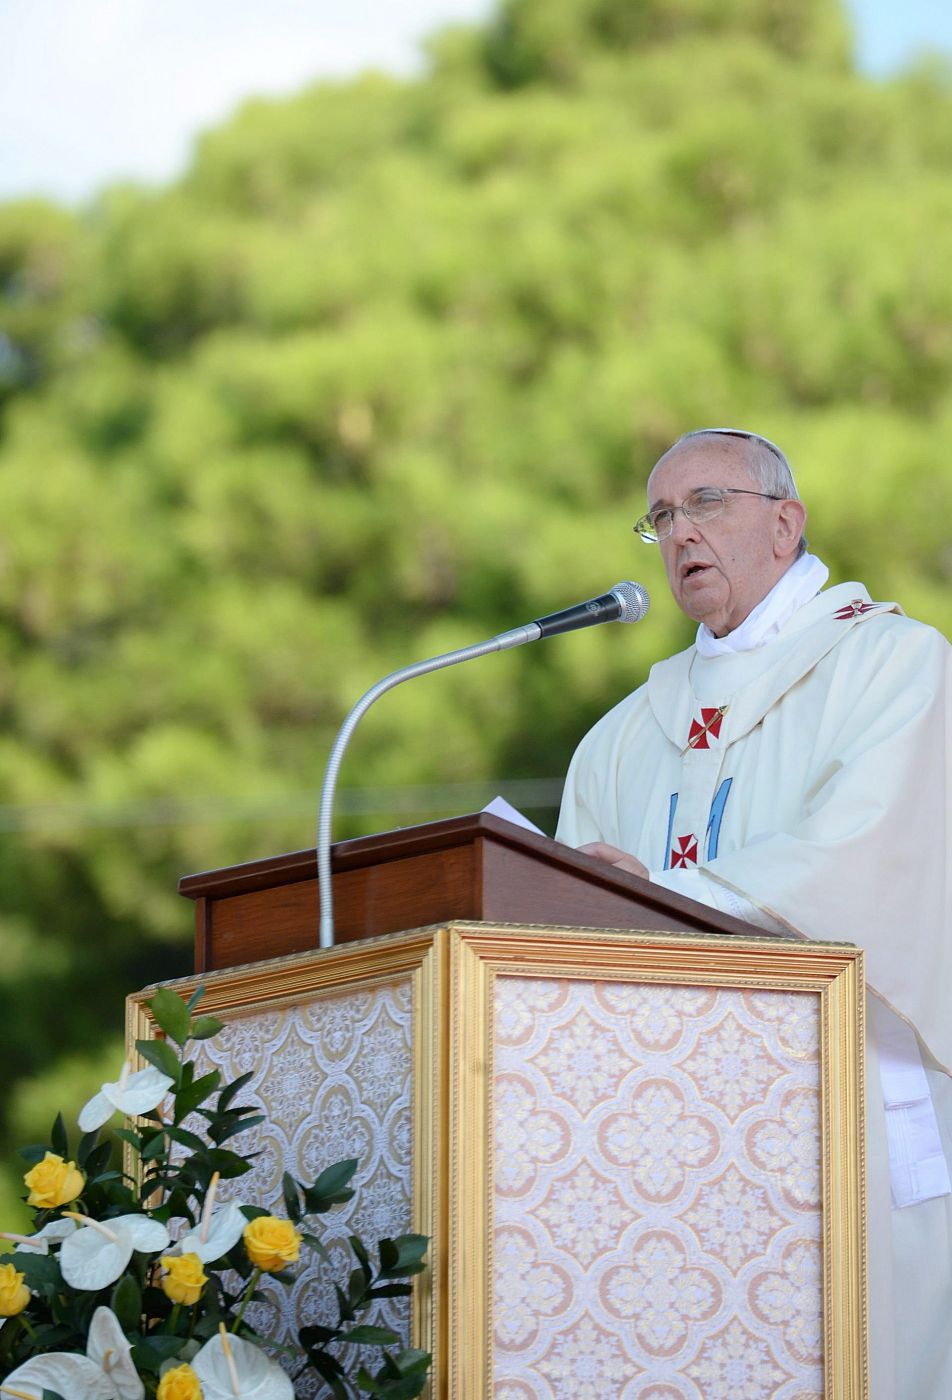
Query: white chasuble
x=805 y=786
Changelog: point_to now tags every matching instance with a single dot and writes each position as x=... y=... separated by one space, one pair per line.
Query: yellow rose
x=184 y=1281
x=181 y=1383
x=53 y=1182
x=14 y=1294
x=271 y=1242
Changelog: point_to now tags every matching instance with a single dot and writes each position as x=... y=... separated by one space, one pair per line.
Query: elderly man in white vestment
x=792 y=768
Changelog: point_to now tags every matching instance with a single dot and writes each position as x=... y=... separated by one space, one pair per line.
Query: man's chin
x=698 y=607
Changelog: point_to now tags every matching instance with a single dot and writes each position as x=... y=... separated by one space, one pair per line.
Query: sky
x=95 y=91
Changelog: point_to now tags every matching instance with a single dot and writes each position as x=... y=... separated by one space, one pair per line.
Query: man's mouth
x=692 y=570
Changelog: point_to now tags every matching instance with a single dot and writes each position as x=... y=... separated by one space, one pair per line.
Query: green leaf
x=191 y=1095
x=235 y=1087
x=330 y=1371
x=152 y=1147
x=132 y=1138
x=229 y=1164
x=402 y=1256
x=58 y=1138
x=313 y=1242
x=317 y=1335
x=51 y=1394
x=331 y=1187
x=221 y=1132
x=33 y=1153
x=126 y=1303
x=161 y=1054
x=357 y=1246
x=253 y=1212
x=186 y=1139
x=204 y=1027
x=357 y=1288
x=40 y=1271
x=149 y=1354
x=292 y=1198
x=171 y=1014
x=399 y=1378
x=345 y=1312
x=371 y=1336
x=87 y=1144
x=195 y=998
x=412 y=1359
x=97 y=1161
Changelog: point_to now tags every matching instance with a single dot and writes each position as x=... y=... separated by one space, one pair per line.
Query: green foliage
x=550 y=40
x=173 y=1179
x=384 y=373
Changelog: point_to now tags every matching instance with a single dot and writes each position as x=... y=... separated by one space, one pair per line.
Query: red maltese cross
x=707 y=727
x=684 y=852
x=854 y=609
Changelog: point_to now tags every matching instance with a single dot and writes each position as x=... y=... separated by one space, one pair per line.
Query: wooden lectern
x=473 y=867
x=631 y=1125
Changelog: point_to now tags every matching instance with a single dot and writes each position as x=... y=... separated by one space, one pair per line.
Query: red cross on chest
x=706 y=728
x=854 y=609
x=684 y=852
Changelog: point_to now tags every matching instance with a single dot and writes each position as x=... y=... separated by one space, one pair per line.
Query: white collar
x=802 y=581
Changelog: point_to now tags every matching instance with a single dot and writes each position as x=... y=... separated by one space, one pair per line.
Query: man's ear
x=791 y=518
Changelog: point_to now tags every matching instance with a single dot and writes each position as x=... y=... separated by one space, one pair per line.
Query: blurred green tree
x=384 y=373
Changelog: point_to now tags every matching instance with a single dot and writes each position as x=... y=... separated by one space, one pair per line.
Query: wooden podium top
x=472 y=867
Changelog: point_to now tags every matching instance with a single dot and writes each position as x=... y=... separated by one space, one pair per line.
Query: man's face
x=720 y=570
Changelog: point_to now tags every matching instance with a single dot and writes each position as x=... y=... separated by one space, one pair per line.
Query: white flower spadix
x=98 y=1253
x=217 y=1232
x=39 y=1242
x=130 y=1094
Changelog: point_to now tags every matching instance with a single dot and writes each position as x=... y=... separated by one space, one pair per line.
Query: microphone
x=626 y=602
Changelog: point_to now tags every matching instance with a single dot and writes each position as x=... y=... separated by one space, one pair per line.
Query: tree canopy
x=383 y=373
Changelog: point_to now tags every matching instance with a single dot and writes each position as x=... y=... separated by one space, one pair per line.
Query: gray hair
x=767 y=463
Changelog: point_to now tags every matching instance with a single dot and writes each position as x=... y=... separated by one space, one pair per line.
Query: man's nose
x=682 y=528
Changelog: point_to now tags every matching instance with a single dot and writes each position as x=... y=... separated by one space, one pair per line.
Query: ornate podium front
x=639 y=1154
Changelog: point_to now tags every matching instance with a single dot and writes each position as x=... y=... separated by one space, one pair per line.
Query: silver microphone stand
x=505 y=641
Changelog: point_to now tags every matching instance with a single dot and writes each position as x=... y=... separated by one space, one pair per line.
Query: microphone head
x=634 y=600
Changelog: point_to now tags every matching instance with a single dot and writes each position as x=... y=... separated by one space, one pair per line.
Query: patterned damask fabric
x=656 y=1193
x=333 y=1078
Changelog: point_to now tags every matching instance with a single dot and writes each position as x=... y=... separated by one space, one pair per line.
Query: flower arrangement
x=135 y=1285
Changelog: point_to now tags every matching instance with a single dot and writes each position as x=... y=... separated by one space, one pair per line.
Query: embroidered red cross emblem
x=854 y=609
x=684 y=852
x=708 y=726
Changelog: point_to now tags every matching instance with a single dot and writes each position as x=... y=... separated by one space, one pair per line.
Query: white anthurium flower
x=217 y=1232
x=130 y=1094
x=108 y=1346
x=39 y=1243
x=224 y=1229
x=73 y=1376
x=229 y=1367
x=97 y=1254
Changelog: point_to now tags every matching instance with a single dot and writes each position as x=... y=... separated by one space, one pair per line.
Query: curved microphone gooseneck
x=626 y=602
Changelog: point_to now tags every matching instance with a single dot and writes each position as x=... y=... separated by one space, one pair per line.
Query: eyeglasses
x=700 y=506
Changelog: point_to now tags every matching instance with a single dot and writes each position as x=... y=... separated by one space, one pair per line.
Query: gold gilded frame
x=833 y=972
x=452 y=969
x=262 y=986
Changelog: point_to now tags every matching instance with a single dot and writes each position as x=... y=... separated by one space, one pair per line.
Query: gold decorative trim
x=366 y=964
x=834 y=972
x=452 y=970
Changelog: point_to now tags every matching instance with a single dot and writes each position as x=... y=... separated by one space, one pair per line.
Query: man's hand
x=602 y=851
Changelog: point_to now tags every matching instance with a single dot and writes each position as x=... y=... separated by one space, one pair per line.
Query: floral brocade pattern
x=333 y=1077
x=656 y=1217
